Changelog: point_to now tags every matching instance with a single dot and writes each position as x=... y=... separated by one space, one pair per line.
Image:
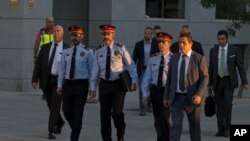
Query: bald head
x=58 y=33
x=49 y=22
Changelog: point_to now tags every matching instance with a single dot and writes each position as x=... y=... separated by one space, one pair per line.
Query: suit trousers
x=224 y=102
x=141 y=104
x=75 y=94
x=54 y=103
x=111 y=97
x=177 y=110
x=161 y=114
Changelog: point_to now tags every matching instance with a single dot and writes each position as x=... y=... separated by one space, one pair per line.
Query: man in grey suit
x=223 y=61
x=185 y=88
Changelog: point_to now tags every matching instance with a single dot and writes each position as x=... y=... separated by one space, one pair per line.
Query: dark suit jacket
x=197 y=77
x=40 y=71
x=196 y=47
x=138 y=53
x=233 y=60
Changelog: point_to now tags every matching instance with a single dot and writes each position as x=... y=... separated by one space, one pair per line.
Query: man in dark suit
x=185 y=88
x=141 y=54
x=46 y=72
x=223 y=61
x=195 y=47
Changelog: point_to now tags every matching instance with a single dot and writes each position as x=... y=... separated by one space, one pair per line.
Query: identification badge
x=81 y=54
x=116 y=53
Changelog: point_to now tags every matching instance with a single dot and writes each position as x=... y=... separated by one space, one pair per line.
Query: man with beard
x=224 y=62
x=46 y=71
x=73 y=80
x=112 y=58
x=141 y=54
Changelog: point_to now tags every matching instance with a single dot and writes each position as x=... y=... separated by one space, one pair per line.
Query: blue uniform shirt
x=120 y=60
x=150 y=76
x=83 y=63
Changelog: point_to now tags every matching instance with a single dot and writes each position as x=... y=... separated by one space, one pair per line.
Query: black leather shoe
x=51 y=136
x=58 y=129
x=219 y=134
x=120 y=139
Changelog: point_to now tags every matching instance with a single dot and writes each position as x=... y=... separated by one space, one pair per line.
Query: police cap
x=164 y=36
x=76 y=29
x=107 y=28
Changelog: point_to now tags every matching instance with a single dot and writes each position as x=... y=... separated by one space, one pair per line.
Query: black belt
x=180 y=93
x=110 y=81
x=74 y=82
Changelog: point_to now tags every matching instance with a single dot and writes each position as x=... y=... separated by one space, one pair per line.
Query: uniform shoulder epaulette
x=118 y=44
x=155 y=54
x=85 y=47
x=100 y=46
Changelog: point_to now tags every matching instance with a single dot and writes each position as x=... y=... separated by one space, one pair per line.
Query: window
x=173 y=9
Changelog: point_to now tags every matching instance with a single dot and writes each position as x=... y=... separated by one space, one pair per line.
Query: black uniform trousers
x=75 y=94
x=161 y=114
x=111 y=97
x=224 y=102
x=54 y=103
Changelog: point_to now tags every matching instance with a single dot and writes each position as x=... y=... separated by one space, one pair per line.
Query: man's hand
x=133 y=87
x=196 y=99
x=59 y=90
x=165 y=103
x=145 y=101
x=34 y=85
x=245 y=86
x=92 y=94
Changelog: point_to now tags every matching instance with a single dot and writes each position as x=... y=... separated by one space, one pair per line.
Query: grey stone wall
x=18 y=27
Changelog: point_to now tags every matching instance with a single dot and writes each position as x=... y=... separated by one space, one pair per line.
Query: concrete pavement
x=24 y=117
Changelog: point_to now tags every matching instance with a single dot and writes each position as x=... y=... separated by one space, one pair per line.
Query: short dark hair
x=148 y=27
x=157 y=27
x=187 y=35
x=223 y=32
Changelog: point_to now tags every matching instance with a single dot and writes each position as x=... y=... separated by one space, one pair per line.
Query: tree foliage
x=237 y=11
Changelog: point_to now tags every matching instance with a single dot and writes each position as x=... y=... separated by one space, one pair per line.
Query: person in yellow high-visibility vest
x=44 y=36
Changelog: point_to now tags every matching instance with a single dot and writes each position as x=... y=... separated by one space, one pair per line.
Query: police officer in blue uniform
x=156 y=76
x=112 y=58
x=73 y=80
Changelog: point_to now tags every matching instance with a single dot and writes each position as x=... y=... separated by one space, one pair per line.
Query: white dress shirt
x=57 y=58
